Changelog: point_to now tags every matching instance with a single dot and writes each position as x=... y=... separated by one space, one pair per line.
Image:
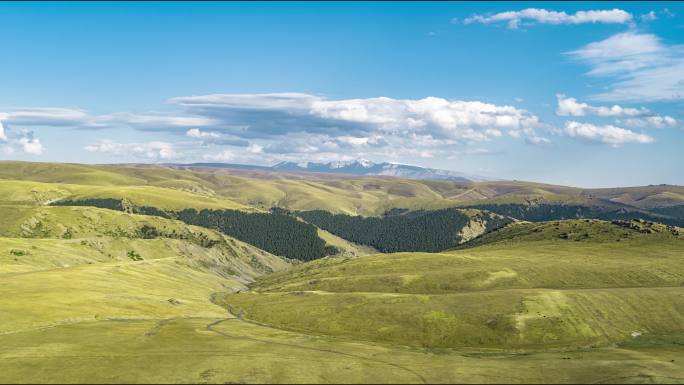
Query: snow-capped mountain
x=361 y=167
x=366 y=167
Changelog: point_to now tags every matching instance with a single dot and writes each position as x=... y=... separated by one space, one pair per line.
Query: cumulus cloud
x=255 y=148
x=267 y=115
x=642 y=66
x=612 y=135
x=215 y=138
x=529 y=16
x=3 y=134
x=23 y=140
x=198 y=134
x=31 y=145
x=155 y=151
x=298 y=124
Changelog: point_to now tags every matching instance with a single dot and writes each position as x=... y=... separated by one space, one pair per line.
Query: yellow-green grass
x=65 y=173
x=39 y=193
x=347 y=248
x=81 y=221
x=32 y=193
x=52 y=281
x=144 y=289
x=229 y=258
x=162 y=198
x=90 y=235
x=497 y=319
x=216 y=350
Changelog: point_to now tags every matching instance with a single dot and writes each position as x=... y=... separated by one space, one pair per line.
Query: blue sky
x=586 y=94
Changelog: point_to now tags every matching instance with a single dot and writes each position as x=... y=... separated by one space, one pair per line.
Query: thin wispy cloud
x=149 y=151
x=642 y=67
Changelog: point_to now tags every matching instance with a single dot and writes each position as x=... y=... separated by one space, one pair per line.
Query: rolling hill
x=134 y=273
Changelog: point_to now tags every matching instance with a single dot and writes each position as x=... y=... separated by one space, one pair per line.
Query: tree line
x=398 y=230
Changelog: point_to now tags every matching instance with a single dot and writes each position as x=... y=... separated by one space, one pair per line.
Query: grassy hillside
x=98 y=295
x=529 y=287
x=334 y=193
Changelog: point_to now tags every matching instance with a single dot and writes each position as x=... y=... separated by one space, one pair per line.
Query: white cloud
x=542 y=16
x=44 y=116
x=149 y=122
x=31 y=145
x=268 y=115
x=198 y=134
x=255 y=148
x=282 y=101
x=571 y=107
x=23 y=140
x=615 y=136
x=222 y=156
x=650 y=122
x=147 y=150
x=3 y=134
x=76 y=118
x=642 y=66
x=298 y=125
x=635 y=117
x=538 y=141
x=651 y=16
x=626 y=51
x=215 y=138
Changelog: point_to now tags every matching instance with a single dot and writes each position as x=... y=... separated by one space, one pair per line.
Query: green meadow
x=92 y=295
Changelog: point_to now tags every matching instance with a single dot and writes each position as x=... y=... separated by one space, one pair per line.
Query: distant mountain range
x=362 y=167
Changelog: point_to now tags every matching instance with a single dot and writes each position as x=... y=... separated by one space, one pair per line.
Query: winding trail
x=211 y=326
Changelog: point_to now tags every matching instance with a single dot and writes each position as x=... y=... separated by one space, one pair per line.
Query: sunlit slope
x=39 y=193
x=65 y=173
x=60 y=264
x=65 y=236
x=549 y=292
x=156 y=288
x=346 y=248
x=79 y=222
x=310 y=191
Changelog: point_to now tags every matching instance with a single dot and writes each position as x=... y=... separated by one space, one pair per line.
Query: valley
x=141 y=273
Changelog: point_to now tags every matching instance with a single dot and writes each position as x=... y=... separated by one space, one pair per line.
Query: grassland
x=91 y=295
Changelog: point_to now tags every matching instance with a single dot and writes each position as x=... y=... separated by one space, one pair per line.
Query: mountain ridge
x=358 y=167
